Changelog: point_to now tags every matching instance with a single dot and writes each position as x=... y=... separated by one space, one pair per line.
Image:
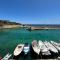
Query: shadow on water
x=22 y=57
x=32 y=56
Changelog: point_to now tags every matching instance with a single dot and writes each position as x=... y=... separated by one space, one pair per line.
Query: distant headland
x=9 y=24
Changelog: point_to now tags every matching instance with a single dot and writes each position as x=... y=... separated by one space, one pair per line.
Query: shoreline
x=10 y=26
x=45 y=28
x=41 y=28
x=29 y=27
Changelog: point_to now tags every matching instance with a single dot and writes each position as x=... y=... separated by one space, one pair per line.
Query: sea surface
x=10 y=38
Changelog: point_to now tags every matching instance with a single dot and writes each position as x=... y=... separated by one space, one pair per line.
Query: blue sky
x=31 y=11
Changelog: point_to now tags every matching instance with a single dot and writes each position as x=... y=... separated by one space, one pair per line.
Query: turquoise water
x=9 y=38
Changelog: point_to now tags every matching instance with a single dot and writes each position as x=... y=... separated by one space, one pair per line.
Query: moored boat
x=43 y=48
x=55 y=44
x=18 y=49
x=35 y=47
x=51 y=47
x=7 y=56
x=26 y=48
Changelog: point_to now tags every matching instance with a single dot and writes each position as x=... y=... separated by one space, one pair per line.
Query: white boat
x=51 y=47
x=26 y=48
x=18 y=49
x=43 y=48
x=56 y=45
x=7 y=56
x=35 y=47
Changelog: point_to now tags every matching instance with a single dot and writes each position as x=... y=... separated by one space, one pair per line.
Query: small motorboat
x=26 y=48
x=51 y=47
x=43 y=48
x=18 y=49
x=35 y=47
x=56 y=45
x=7 y=56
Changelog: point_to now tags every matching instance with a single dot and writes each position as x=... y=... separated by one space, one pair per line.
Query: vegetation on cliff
x=7 y=22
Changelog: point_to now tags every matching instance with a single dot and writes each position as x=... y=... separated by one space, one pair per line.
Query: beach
x=11 y=26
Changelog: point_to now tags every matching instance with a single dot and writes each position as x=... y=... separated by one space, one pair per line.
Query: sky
x=31 y=11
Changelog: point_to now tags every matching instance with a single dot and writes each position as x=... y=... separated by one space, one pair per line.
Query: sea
x=10 y=38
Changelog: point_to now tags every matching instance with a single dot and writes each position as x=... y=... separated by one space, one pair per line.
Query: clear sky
x=31 y=11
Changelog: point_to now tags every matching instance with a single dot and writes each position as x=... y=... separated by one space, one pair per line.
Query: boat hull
x=18 y=50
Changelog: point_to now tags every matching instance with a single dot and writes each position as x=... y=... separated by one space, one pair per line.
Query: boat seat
x=19 y=46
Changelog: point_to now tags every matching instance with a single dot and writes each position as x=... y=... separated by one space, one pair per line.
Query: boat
x=7 y=56
x=50 y=47
x=43 y=48
x=18 y=49
x=56 y=45
x=35 y=47
x=26 y=48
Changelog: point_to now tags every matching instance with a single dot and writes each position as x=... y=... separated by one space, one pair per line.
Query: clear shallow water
x=9 y=38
